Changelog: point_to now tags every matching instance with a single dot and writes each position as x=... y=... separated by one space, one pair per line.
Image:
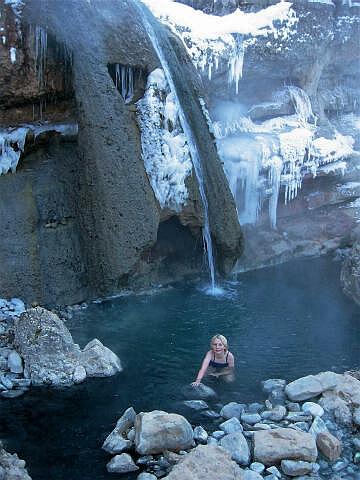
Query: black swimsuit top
x=215 y=364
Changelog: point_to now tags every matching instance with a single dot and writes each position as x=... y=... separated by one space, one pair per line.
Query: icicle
x=236 y=63
x=41 y=41
x=124 y=81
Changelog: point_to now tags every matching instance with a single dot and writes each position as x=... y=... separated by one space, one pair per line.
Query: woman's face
x=217 y=346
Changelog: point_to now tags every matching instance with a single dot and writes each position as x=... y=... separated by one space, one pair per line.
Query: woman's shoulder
x=230 y=354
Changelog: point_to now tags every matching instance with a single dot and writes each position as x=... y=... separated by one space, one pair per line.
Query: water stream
x=283 y=322
x=155 y=33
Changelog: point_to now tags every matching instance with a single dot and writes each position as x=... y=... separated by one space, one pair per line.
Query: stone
x=251 y=475
x=12 y=467
x=255 y=407
x=218 y=434
x=121 y=464
x=329 y=445
x=212 y=441
x=257 y=467
x=79 y=374
x=13 y=393
x=273 y=471
x=116 y=442
x=200 y=434
x=6 y=382
x=296 y=468
x=356 y=416
x=198 y=392
x=232 y=409
x=206 y=462
x=339 y=404
x=157 y=431
x=15 y=363
x=277 y=397
x=293 y=406
x=99 y=361
x=210 y=414
x=272 y=446
x=232 y=425
x=250 y=418
x=146 y=476
x=317 y=426
x=273 y=384
x=313 y=409
x=298 y=417
x=236 y=444
x=310 y=386
x=196 y=404
x=276 y=414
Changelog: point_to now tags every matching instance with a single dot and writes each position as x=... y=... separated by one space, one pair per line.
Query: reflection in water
x=282 y=322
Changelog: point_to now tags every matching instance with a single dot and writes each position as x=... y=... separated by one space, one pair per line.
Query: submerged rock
x=121 y=464
x=199 y=392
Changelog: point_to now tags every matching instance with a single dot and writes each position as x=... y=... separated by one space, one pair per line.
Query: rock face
x=50 y=354
x=158 y=431
x=272 y=446
x=204 y=463
x=99 y=227
x=350 y=274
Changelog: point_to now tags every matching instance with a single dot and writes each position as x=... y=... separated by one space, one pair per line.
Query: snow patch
x=13 y=54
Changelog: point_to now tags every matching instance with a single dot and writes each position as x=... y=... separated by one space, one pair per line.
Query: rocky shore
x=306 y=429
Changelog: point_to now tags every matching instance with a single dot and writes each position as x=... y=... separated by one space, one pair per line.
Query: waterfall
x=195 y=156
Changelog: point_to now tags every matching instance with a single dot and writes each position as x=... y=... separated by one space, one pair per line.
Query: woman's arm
x=203 y=369
x=231 y=361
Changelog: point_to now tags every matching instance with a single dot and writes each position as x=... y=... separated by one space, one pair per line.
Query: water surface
x=282 y=322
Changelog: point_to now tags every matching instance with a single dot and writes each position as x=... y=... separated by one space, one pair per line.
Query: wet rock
x=198 y=392
x=332 y=402
x=296 y=468
x=196 y=404
x=356 y=416
x=232 y=425
x=146 y=476
x=218 y=434
x=121 y=464
x=116 y=442
x=313 y=409
x=157 y=431
x=255 y=407
x=273 y=384
x=329 y=445
x=272 y=446
x=236 y=444
x=232 y=409
x=310 y=386
x=251 y=475
x=273 y=471
x=203 y=463
x=11 y=467
x=210 y=414
x=99 y=361
x=200 y=435
x=298 y=417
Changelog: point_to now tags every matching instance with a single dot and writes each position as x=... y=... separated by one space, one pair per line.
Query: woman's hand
x=196 y=383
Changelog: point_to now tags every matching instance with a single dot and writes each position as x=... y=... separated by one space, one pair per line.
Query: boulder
x=15 y=364
x=46 y=345
x=273 y=384
x=236 y=444
x=198 y=392
x=276 y=414
x=317 y=426
x=340 y=405
x=329 y=445
x=232 y=425
x=121 y=464
x=206 y=462
x=157 y=431
x=310 y=386
x=232 y=409
x=200 y=434
x=99 y=361
x=196 y=404
x=12 y=467
x=272 y=446
x=294 y=468
x=250 y=418
x=313 y=409
x=116 y=442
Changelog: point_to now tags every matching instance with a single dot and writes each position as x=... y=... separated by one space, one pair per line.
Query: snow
x=164 y=147
x=210 y=39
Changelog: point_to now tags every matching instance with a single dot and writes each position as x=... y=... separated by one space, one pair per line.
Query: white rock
x=121 y=464
x=232 y=425
x=99 y=361
x=231 y=410
x=257 y=467
x=15 y=363
x=200 y=434
x=313 y=408
x=236 y=444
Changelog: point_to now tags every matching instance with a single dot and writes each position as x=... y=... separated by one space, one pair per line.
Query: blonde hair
x=222 y=339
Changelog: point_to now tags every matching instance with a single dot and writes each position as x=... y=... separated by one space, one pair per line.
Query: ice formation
x=164 y=147
x=210 y=39
x=12 y=54
x=263 y=159
x=124 y=81
x=12 y=143
x=41 y=40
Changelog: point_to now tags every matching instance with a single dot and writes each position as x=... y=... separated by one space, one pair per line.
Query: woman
x=217 y=362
